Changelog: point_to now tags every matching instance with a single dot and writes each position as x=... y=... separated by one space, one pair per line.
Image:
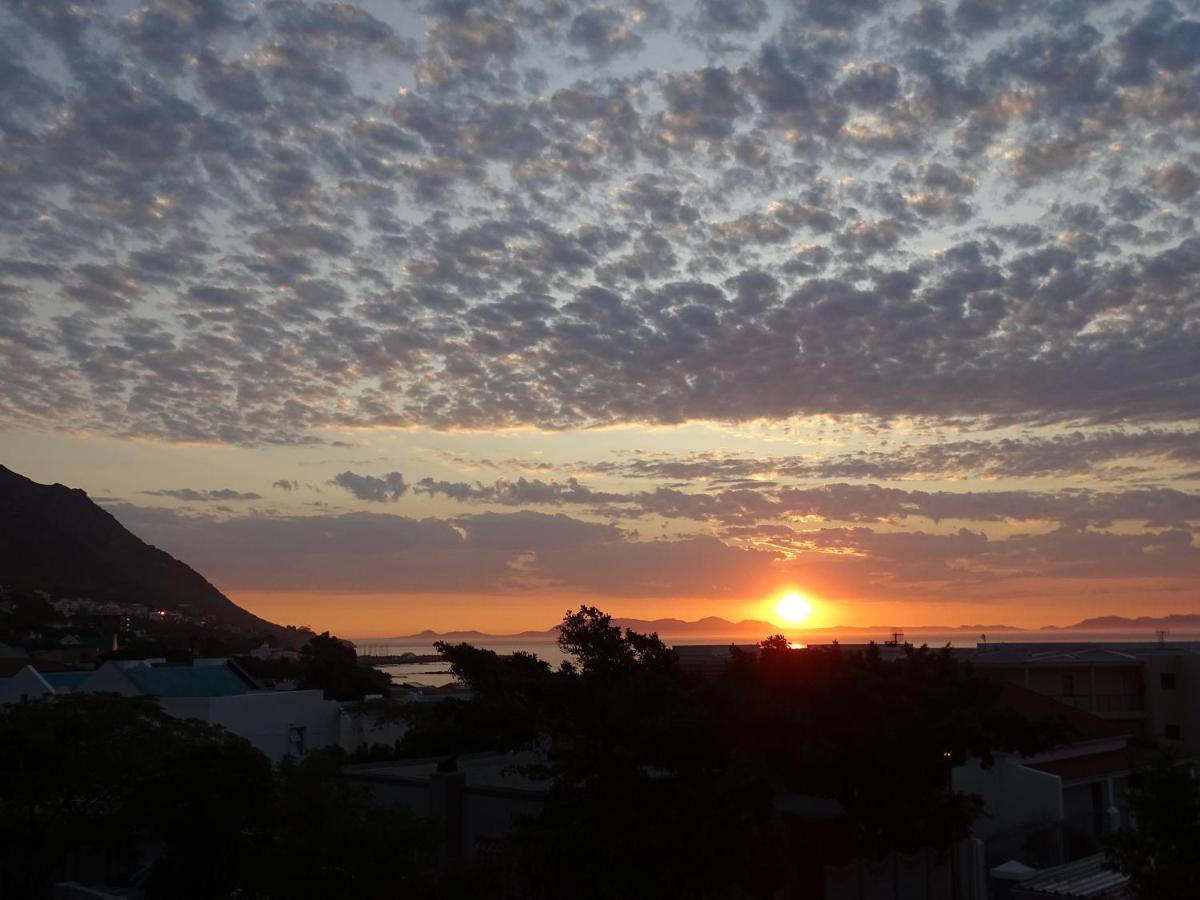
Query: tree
x=94 y=786
x=331 y=664
x=84 y=778
x=1159 y=851
x=323 y=837
x=657 y=771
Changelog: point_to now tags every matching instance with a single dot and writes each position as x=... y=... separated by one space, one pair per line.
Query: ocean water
x=436 y=674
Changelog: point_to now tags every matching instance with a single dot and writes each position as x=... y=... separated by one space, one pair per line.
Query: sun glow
x=793 y=608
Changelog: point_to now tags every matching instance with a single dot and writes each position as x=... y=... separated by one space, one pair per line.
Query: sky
x=451 y=314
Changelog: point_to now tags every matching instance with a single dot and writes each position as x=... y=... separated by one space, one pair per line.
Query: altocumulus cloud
x=553 y=215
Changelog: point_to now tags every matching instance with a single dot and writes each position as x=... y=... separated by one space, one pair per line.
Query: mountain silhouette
x=54 y=538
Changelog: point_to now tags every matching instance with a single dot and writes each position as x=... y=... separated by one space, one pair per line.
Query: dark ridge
x=54 y=538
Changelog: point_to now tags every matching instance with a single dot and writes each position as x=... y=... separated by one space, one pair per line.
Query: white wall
x=267 y=718
x=1013 y=794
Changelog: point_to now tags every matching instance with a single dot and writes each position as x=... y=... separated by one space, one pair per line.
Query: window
x=1167 y=680
x=295 y=738
x=1068 y=685
x=1171 y=732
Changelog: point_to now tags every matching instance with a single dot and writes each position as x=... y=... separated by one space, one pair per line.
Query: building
x=1052 y=807
x=1153 y=687
x=219 y=692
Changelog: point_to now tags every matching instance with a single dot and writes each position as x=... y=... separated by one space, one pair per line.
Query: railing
x=1119 y=703
x=1105 y=703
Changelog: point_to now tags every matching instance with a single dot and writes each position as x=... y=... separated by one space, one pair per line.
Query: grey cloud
x=874 y=84
x=286 y=484
x=722 y=16
x=1102 y=454
x=1177 y=181
x=205 y=496
x=602 y=33
x=375 y=489
x=490 y=552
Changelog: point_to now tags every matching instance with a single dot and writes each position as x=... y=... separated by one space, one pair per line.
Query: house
x=1153 y=687
x=219 y=692
x=266 y=652
x=23 y=685
x=1052 y=807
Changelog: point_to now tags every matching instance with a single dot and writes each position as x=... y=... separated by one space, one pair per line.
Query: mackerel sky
x=442 y=314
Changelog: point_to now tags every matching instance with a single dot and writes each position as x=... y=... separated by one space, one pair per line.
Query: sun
x=794 y=608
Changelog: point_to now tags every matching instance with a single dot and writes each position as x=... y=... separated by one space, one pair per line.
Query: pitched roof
x=187 y=681
x=1095 y=765
x=1086 y=726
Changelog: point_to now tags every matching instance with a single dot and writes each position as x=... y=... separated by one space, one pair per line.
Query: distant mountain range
x=711 y=626
x=714 y=626
x=54 y=538
x=1120 y=623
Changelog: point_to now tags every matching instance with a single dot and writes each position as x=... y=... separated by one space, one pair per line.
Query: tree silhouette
x=1159 y=853
x=658 y=771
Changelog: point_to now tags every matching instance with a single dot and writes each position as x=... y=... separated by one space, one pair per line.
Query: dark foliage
x=680 y=782
x=85 y=778
x=332 y=665
x=1162 y=854
x=92 y=786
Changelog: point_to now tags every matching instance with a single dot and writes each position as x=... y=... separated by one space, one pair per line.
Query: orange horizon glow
x=388 y=615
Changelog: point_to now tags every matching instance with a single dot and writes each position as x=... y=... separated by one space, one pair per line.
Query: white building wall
x=1013 y=794
x=270 y=719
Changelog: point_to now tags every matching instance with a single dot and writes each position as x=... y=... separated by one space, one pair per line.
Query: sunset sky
x=392 y=316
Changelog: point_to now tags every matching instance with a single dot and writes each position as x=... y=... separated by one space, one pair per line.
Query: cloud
x=1104 y=454
x=505 y=553
x=975 y=215
x=205 y=496
x=494 y=553
x=385 y=489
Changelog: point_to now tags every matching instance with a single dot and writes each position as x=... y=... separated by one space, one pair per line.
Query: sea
x=437 y=674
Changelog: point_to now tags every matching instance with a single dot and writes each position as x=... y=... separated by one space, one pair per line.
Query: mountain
x=712 y=626
x=1181 y=621
x=56 y=539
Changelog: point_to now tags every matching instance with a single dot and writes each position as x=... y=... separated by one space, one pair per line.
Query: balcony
x=1106 y=704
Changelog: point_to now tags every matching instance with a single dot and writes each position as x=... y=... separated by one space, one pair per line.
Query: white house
x=219 y=692
x=1071 y=793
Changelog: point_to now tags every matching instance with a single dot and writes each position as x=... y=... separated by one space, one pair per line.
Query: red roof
x=1094 y=765
x=1086 y=726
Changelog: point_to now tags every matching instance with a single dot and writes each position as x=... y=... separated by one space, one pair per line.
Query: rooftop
x=1088 y=877
x=189 y=681
x=1095 y=765
x=1087 y=727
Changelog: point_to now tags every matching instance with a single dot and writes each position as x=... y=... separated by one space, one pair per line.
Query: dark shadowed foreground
x=660 y=782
